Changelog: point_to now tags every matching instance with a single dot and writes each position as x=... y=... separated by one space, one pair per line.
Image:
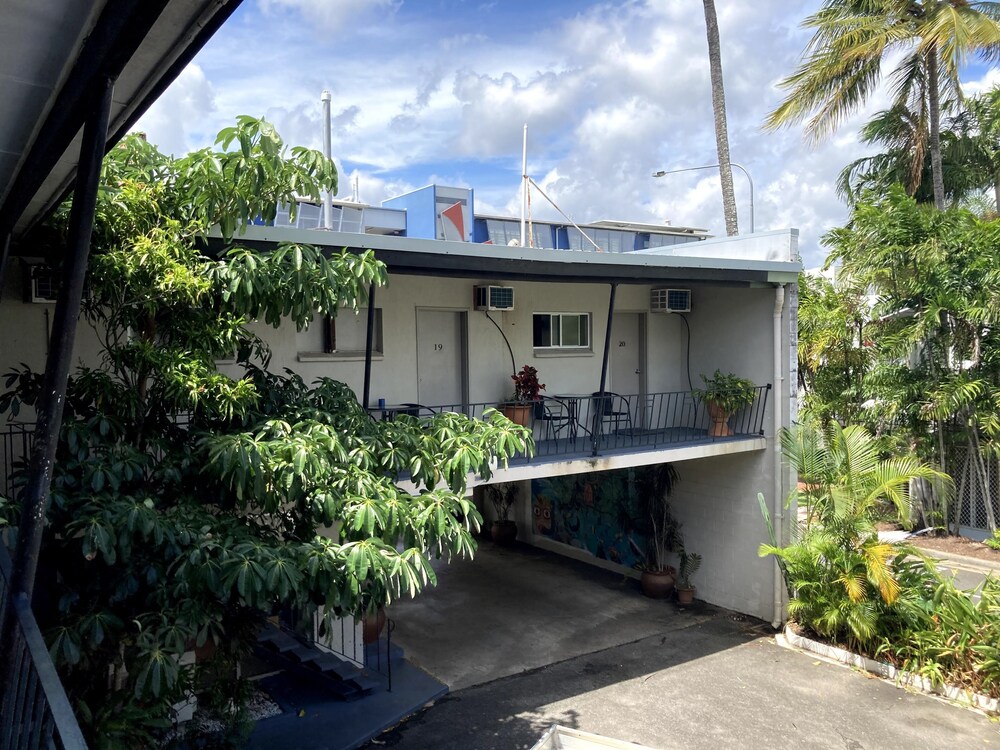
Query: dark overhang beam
x=199 y=40
x=120 y=29
x=163 y=83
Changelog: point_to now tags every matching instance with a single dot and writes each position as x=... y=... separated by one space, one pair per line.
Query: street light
x=663 y=172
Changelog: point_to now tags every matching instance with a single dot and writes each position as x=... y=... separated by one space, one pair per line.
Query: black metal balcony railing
x=15 y=440
x=565 y=425
x=588 y=424
x=34 y=709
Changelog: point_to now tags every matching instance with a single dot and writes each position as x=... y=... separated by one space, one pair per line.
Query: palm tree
x=906 y=159
x=842 y=65
x=721 y=129
x=844 y=580
x=979 y=128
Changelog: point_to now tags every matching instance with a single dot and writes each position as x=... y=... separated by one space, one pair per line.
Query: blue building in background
x=437 y=212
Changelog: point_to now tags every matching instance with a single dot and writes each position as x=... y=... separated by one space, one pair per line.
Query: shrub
x=842 y=580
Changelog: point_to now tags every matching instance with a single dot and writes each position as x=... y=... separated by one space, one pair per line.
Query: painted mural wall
x=602 y=513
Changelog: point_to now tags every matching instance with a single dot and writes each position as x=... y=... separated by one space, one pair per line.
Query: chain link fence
x=977 y=486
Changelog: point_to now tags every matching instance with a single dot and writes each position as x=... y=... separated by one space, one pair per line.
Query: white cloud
x=611 y=92
x=331 y=15
x=177 y=118
x=990 y=80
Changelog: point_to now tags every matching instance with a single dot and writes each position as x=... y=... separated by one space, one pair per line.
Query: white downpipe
x=777 y=508
x=328 y=153
x=524 y=184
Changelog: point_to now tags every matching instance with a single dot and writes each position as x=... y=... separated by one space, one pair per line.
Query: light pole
x=663 y=172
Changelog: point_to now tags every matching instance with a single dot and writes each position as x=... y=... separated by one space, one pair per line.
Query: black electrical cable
x=513 y=367
x=688 y=326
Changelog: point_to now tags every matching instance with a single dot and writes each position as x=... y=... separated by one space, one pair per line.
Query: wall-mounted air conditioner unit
x=41 y=284
x=669 y=300
x=494 y=297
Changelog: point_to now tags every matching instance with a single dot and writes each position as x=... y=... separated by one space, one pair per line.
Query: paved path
x=517 y=609
x=718 y=683
x=969 y=572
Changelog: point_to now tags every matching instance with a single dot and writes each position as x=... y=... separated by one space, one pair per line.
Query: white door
x=440 y=357
x=628 y=353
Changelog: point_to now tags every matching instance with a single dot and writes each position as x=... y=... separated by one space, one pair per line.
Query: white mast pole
x=327 y=152
x=524 y=184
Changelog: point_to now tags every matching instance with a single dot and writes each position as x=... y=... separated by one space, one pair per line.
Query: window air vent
x=494 y=297
x=669 y=300
x=42 y=283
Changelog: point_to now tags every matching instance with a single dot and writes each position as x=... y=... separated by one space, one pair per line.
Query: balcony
x=586 y=432
x=573 y=432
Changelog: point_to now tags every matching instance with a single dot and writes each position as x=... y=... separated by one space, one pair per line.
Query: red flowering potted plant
x=526 y=389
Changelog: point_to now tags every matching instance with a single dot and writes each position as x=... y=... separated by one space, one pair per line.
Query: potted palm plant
x=689 y=564
x=657 y=580
x=503 y=496
x=724 y=394
x=518 y=409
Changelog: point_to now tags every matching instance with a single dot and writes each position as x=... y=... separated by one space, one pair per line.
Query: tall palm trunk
x=934 y=107
x=721 y=129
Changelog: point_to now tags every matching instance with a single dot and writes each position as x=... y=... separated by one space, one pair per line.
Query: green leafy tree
x=833 y=354
x=907 y=162
x=188 y=505
x=842 y=65
x=970 y=154
x=934 y=324
x=844 y=581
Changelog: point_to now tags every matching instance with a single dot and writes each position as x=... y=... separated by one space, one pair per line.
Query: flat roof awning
x=406 y=255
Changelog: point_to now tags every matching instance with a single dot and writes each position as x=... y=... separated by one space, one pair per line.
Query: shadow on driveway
x=527 y=639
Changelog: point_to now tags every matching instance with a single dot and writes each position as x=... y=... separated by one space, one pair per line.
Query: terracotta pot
x=685 y=596
x=503 y=532
x=518 y=413
x=657 y=584
x=203 y=652
x=206 y=651
x=372 y=625
x=720 y=420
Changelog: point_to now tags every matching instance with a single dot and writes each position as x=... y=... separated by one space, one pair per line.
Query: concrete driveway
x=511 y=634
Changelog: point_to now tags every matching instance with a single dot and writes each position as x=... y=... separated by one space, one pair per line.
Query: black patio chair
x=416 y=410
x=611 y=410
x=556 y=417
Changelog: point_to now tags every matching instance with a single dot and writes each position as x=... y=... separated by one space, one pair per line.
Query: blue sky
x=438 y=92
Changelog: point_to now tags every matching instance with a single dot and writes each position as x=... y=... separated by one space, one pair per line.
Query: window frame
x=330 y=351
x=556 y=324
x=330 y=334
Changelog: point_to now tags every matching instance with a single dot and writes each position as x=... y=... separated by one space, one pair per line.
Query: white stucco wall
x=716 y=501
x=731 y=329
x=24 y=331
